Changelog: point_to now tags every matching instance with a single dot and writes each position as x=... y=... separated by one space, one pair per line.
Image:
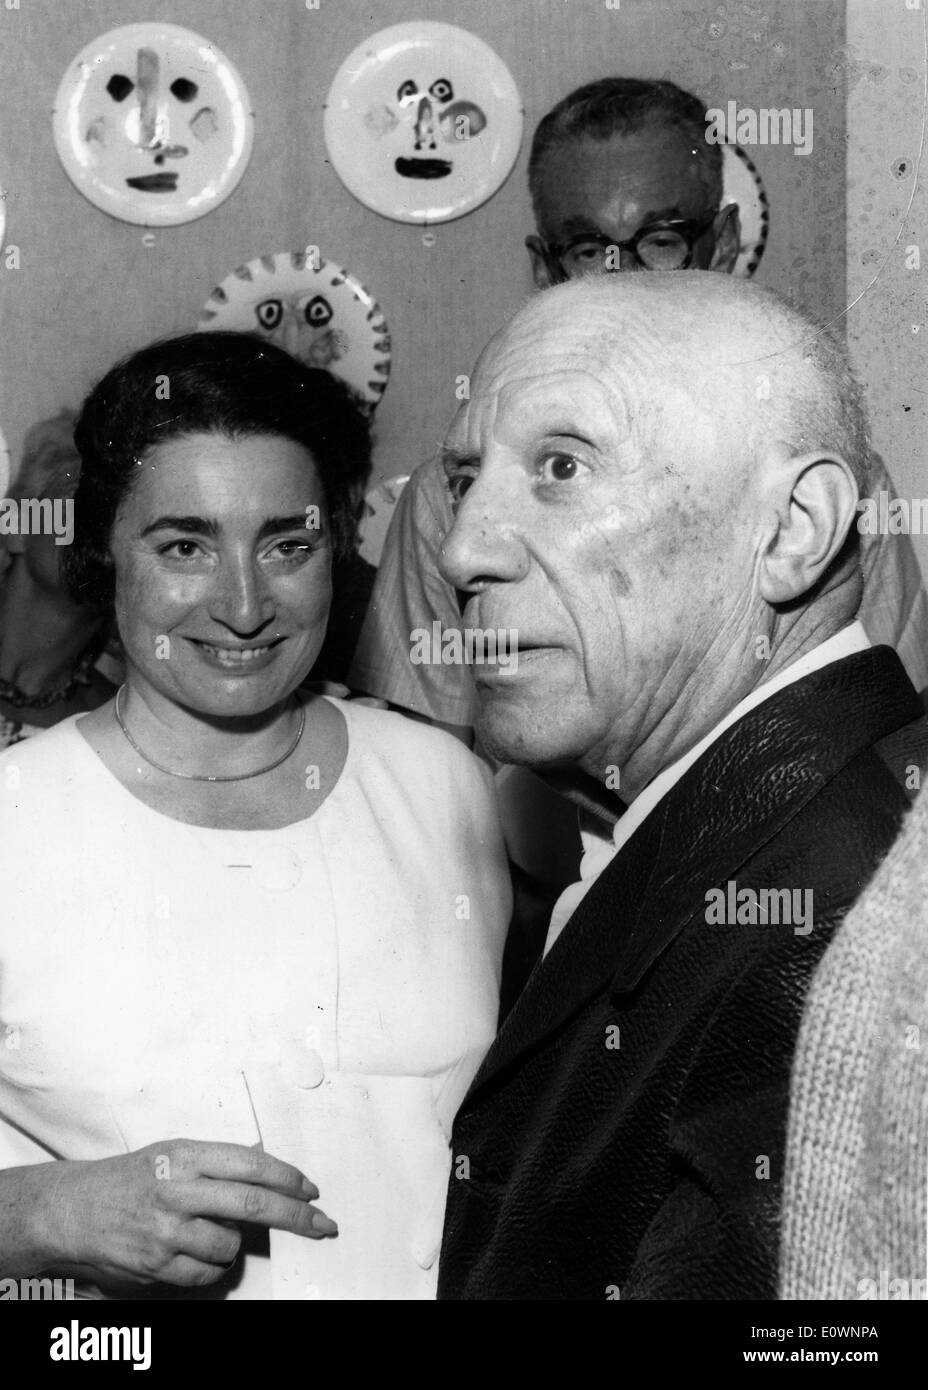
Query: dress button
x=277 y=868
x=302 y=1065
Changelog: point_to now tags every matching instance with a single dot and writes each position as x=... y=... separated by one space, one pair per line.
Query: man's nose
x=627 y=260
x=483 y=546
x=241 y=598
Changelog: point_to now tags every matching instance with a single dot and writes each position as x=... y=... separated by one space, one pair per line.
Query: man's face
x=598 y=516
x=613 y=188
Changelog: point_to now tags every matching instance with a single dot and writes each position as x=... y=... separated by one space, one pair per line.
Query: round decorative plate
x=153 y=124
x=423 y=122
x=375 y=520
x=742 y=184
x=313 y=309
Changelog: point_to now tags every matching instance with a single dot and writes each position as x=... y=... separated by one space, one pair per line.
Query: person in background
x=55 y=656
x=855 y=1205
x=620 y=163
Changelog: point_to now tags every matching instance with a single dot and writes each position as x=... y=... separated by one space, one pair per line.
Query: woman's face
x=223 y=571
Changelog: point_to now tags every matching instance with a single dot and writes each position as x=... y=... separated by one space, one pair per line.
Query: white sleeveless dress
x=327 y=989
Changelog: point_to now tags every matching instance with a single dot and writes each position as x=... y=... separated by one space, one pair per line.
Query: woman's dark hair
x=230 y=383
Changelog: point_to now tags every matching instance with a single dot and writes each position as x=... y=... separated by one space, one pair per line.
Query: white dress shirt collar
x=599 y=852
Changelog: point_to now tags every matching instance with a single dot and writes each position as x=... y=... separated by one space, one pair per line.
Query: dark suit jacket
x=625 y=1134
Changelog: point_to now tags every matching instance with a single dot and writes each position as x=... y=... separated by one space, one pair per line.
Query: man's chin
x=509 y=738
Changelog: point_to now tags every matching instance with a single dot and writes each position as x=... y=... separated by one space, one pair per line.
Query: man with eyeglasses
x=655 y=246
x=622 y=179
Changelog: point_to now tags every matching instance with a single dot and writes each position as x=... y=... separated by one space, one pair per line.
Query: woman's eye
x=558 y=468
x=293 y=550
x=180 y=550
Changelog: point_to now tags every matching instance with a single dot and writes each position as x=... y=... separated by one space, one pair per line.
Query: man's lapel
x=744 y=789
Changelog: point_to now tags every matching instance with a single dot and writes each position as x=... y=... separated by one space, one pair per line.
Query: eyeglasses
x=660 y=246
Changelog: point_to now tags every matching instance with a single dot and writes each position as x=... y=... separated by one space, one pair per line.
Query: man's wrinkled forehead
x=556 y=377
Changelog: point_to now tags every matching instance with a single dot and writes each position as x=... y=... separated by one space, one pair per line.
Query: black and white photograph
x=463 y=668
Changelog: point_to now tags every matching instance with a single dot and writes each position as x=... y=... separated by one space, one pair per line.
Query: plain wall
x=89 y=290
x=887 y=214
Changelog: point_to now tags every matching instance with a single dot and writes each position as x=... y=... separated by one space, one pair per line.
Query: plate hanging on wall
x=312 y=308
x=423 y=122
x=153 y=124
x=742 y=184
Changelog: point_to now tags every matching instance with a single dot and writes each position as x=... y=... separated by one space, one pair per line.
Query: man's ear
x=541 y=274
x=727 y=232
x=813 y=498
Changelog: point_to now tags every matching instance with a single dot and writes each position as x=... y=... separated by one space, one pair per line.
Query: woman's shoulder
x=47 y=790
x=411 y=744
x=50 y=749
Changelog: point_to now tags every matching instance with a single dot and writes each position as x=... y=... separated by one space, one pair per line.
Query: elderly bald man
x=656 y=481
x=622 y=163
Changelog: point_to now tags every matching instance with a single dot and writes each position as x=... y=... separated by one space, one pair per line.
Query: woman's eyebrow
x=197 y=525
x=204 y=526
x=275 y=524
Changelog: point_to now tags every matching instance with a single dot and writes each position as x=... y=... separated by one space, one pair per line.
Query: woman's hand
x=170 y=1213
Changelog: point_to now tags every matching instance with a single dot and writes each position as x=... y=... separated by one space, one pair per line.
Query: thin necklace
x=195 y=776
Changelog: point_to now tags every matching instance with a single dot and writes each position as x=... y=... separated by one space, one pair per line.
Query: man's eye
x=458 y=485
x=558 y=468
x=588 y=251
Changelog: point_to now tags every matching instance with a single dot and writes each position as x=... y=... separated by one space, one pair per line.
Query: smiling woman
x=244 y=877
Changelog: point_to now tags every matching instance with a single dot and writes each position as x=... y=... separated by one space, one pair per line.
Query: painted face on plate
x=157 y=116
x=153 y=122
x=311 y=308
x=427 y=121
x=302 y=325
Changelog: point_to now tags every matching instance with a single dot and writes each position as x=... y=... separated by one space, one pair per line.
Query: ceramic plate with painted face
x=423 y=122
x=742 y=184
x=313 y=309
x=153 y=124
